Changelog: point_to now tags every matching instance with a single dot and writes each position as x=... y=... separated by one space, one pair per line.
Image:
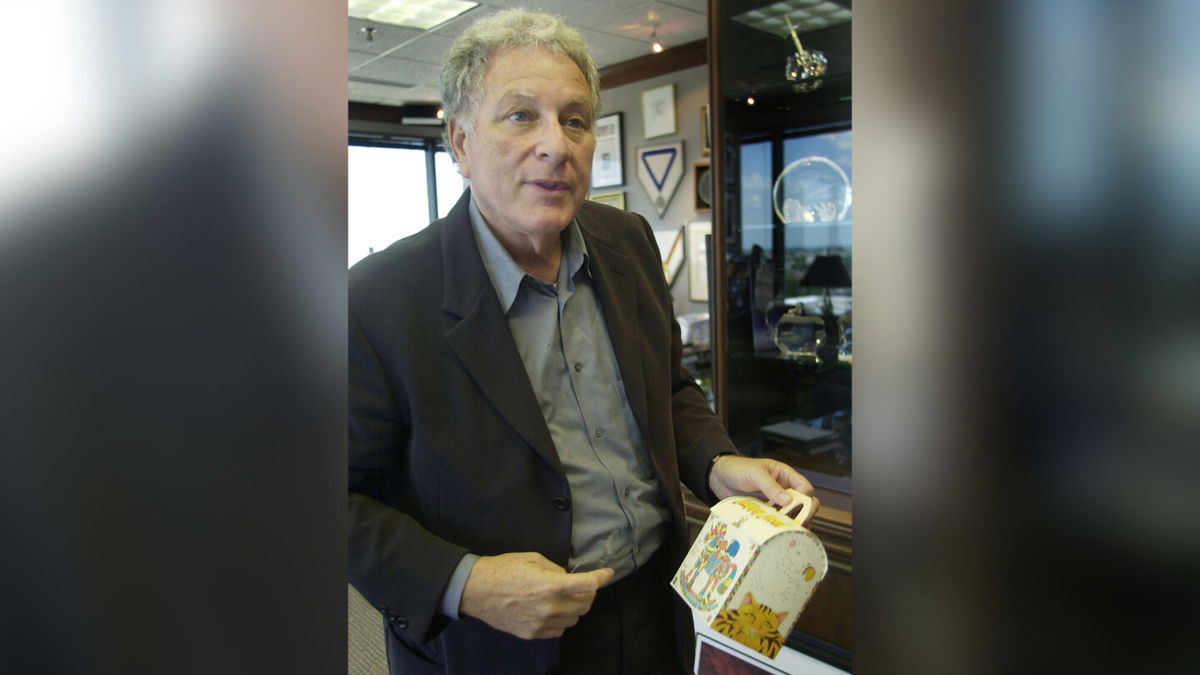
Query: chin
x=555 y=218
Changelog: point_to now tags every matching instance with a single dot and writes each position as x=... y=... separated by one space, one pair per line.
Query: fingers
x=588 y=582
x=575 y=595
x=529 y=596
x=772 y=478
x=767 y=477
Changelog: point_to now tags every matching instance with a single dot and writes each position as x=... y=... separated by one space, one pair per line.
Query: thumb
x=588 y=582
x=774 y=492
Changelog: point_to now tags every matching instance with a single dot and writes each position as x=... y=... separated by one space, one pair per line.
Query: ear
x=749 y=599
x=781 y=616
x=458 y=146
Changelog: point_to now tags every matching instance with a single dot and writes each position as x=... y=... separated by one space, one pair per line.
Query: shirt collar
x=505 y=273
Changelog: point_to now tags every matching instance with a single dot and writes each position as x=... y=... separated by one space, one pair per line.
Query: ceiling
x=402 y=65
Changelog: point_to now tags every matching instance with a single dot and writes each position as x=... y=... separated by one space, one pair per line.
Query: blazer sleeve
x=699 y=434
x=398 y=566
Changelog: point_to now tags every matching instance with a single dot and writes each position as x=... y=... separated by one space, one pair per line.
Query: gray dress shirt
x=619 y=518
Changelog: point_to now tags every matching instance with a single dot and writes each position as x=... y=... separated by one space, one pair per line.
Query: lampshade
x=827 y=271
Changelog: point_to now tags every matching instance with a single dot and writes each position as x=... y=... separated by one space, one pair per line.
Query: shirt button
x=626 y=490
x=599 y=432
x=578 y=367
x=562 y=503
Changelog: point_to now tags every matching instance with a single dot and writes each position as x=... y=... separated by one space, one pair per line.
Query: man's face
x=529 y=154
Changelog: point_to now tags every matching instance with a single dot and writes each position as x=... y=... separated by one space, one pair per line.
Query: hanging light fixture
x=805 y=67
x=655 y=45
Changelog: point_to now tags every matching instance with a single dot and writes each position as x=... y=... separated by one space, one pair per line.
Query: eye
x=519 y=116
x=577 y=123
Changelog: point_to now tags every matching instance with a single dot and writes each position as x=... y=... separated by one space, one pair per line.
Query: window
x=450 y=184
x=391 y=192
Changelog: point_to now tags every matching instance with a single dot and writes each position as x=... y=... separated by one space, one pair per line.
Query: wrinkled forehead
x=518 y=71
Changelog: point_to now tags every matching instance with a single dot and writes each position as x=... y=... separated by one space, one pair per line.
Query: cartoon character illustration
x=712 y=572
x=753 y=624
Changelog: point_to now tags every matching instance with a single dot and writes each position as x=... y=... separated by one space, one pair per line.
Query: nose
x=552 y=142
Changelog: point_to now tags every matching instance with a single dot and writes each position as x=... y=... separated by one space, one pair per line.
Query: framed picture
x=658 y=111
x=670 y=247
x=608 y=165
x=702 y=177
x=705 y=130
x=714 y=658
x=615 y=198
x=697 y=259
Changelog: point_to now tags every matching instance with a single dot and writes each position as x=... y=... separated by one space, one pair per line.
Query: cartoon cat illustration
x=754 y=625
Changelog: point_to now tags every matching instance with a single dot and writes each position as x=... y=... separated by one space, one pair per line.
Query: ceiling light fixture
x=419 y=14
x=655 y=45
x=805 y=67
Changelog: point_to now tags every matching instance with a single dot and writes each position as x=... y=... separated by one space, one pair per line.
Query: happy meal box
x=751 y=571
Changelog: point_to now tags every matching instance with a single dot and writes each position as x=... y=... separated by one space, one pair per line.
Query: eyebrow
x=517 y=96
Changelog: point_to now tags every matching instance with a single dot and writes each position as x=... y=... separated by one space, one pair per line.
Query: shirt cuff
x=454 y=588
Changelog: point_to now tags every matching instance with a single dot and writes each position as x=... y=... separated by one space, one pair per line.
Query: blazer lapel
x=617 y=290
x=481 y=338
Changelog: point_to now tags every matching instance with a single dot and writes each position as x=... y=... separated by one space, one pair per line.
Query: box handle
x=801 y=506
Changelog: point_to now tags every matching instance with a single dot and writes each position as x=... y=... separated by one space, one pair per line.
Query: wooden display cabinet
x=761 y=121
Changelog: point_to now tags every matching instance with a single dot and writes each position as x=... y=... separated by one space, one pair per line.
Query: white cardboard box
x=750 y=572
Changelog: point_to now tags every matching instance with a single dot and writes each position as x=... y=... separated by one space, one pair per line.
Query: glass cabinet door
x=783 y=257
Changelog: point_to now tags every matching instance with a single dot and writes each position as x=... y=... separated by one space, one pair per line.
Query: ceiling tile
x=366 y=92
x=358 y=58
x=578 y=13
x=615 y=30
x=425 y=93
x=454 y=27
x=698 y=6
x=386 y=36
x=428 y=48
x=673 y=26
x=396 y=71
x=608 y=49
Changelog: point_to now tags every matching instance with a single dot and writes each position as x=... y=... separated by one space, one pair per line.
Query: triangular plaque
x=660 y=168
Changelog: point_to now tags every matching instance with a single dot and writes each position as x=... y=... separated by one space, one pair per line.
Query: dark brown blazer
x=449 y=451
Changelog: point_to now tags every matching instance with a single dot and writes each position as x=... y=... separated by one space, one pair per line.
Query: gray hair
x=466 y=62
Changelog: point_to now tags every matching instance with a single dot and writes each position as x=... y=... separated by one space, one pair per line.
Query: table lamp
x=828 y=271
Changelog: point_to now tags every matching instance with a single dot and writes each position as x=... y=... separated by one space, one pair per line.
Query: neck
x=538 y=257
x=544 y=266
x=538 y=254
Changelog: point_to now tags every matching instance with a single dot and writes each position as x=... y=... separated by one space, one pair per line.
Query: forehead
x=532 y=70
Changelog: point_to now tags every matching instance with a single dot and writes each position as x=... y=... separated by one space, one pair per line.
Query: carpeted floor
x=366 y=653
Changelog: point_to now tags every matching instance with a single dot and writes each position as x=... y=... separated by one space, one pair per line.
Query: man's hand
x=734 y=475
x=527 y=595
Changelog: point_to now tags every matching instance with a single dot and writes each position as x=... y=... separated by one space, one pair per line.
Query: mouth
x=551 y=185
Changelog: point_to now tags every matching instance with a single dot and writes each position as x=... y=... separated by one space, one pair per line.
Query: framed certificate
x=658 y=111
x=608 y=167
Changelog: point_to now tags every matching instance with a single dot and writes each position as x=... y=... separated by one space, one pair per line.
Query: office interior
x=1023 y=192
x=767 y=334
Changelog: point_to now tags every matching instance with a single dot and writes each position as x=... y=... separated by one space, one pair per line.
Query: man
x=519 y=419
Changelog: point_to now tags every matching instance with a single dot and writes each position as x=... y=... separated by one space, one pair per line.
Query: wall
x=691 y=92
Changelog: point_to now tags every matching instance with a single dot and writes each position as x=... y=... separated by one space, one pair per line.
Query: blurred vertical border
x=172 y=260
x=1027 y=359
